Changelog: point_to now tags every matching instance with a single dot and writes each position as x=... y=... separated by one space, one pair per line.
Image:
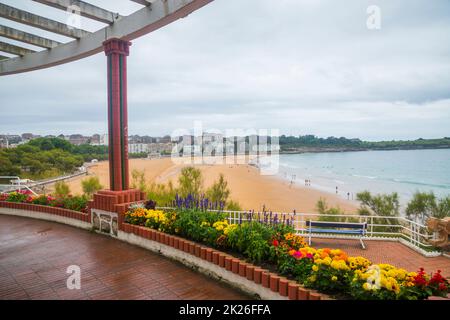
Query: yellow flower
x=367 y=286
x=312 y=278
x=229 y=228
x=315 y=268
x=334 y=278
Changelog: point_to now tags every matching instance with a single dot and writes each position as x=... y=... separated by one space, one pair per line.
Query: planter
x=222 y=257
x=209 y=255
x=303 y=294
x=203 y=253
x=192 y=248
x=228 y=263
x=293 y=290
x=242 y=269
x=197 y=250
x=274 y=281
x=265 y=278
x=215 y=257
x=283 y=287
x=257 y=275
x=314 y=295
x=235 y=266
x=249 y=272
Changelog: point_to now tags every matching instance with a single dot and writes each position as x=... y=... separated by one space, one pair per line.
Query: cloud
x=299 y=66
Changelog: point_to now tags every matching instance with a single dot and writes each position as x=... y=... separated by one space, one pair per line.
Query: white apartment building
x=138 y=148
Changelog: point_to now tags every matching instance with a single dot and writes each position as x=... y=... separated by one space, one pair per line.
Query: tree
x=138 y=180
x=380 y=205
x=62 y=189
x=219 y=191
x=331 y=213
x=90 y=186
x=190 y=182
x=425 y=205
x=386 y=205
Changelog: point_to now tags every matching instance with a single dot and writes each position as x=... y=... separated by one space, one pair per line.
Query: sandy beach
x=251 y=189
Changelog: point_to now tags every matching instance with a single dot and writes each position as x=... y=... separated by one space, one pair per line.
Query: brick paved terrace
x=390 y=252
x=34 y=255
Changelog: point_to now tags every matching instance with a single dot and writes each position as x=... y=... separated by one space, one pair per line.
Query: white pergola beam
x=143 y=2
x=13 y=49
x=26 y=37
x=34 y=20
x=85 y=9
x=139 y=23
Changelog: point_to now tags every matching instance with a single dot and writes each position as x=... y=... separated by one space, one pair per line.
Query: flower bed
x=271 y=243
x=75 y=203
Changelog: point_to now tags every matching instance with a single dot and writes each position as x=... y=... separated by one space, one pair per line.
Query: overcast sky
x=299 y=66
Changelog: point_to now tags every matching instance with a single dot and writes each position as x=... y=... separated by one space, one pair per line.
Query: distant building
x=95 y=139
x=138 y=148
x=27 y=136
x=78 y=139
x=160 y=148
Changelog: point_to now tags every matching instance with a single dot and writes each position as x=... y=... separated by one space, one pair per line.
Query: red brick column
x=117 y=51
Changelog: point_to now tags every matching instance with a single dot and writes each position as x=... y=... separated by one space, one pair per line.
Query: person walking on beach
x=336 y=190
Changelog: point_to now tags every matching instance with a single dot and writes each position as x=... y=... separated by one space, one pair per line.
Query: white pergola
x=153 y=15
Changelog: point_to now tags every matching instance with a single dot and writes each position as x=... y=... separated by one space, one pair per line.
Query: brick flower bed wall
x=282 y=286
x=85 y=217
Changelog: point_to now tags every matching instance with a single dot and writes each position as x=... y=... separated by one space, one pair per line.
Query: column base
x=114 y=202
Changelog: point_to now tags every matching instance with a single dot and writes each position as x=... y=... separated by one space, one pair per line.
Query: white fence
x=409 y=232
x=378 y=227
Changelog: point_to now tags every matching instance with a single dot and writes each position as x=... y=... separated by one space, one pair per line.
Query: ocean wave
x=362 y=176
x=443 y=186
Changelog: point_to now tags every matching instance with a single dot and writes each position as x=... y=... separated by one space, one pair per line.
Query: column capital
x=116 y=45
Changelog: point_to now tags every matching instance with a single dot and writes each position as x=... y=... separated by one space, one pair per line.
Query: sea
x=347 y=173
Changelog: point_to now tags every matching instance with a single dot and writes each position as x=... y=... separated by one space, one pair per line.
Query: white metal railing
x=377 y=226
x=14 y=185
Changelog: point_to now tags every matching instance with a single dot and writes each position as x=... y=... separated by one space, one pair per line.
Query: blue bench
x=337 y=228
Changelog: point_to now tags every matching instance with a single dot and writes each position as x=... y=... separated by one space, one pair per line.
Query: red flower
x=420 y=279
x=275 y=243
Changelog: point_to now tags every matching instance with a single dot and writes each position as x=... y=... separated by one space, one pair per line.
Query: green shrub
x=42 y=200
x=323 y=209
x=62 y=189
x=425 y=205
x=76 y=203
x=219 y=191
x=233 y=206
x=17 y=197
x=162 y=194
x=198 y=225
x=190 y=182
x=90 y=186
x=138 y=180
x=253 y=239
